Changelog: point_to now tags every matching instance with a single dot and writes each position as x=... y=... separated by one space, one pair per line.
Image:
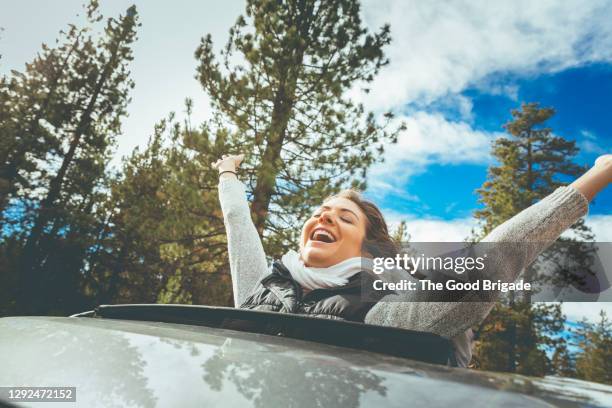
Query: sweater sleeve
x=246 y=254
x=536 y=227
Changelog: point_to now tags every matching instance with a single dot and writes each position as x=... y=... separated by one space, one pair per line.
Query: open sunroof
x=410 y=344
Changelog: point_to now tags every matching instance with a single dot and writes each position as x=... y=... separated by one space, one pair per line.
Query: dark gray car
x=194 y=356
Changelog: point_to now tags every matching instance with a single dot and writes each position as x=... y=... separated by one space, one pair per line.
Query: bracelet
x=227 y=171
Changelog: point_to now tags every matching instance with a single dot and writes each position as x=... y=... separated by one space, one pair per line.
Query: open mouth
x=322 y=235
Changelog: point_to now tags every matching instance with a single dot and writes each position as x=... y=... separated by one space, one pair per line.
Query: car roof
x=427 y=347
x=148 y=363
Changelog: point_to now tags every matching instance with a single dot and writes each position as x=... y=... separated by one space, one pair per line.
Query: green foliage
x=155 y=232
x=514 y=338
x=285 y=106
x=286 y=109
x=165 y=240
x=532 y=164
x=64 y=112
x=594 y=362
x=563 y=362
x=400 y=234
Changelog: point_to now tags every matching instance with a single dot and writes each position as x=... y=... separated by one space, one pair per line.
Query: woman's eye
x=347 y=220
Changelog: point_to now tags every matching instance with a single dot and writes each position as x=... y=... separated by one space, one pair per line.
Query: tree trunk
x=266 y=177
x=281 y=113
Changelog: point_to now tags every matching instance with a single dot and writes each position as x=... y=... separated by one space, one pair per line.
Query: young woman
x=324 y=278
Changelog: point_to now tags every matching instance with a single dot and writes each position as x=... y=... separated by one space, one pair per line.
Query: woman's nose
x=326 y=218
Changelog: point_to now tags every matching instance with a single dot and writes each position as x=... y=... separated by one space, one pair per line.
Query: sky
x=456 y=70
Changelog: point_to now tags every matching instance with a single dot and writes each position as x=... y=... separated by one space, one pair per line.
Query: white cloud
x=456 y=230
x=429 y=138
x=431 y=229
x=587 y=134
x=588 y=310
x=442 y=47
x=465 y=108
x=589 y=143
x=508 y=90
x=601 y=226
x=591 y=147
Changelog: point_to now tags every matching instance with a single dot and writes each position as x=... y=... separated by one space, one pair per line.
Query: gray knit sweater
x=539 y=226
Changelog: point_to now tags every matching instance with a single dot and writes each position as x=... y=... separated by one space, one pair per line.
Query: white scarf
x=333 y=276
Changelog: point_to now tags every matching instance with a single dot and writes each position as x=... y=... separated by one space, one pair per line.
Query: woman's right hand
x=228 y=162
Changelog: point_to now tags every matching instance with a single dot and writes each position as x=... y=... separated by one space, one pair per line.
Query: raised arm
x=246 y=255
x=535 y=227
x=542 y=223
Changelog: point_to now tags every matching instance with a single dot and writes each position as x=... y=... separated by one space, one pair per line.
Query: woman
x=324 y=278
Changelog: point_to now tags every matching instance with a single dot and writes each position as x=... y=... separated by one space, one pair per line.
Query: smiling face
x=334 y=233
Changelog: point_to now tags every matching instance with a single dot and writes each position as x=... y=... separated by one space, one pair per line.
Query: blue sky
x=582 y=98
x=456 y=71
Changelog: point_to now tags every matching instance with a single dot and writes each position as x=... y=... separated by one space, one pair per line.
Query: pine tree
x=5 y=107
x=563 y=363
x=515 y=339
x=401 y=235
x=66 y=111
x=165 y=239
x=594 y=362
x=168 y=228
x=286 y=106
x=37 y=103
x=548 y=322
x=532 y=164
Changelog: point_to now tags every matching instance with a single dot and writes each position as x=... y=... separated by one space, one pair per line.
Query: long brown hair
x=377 y=242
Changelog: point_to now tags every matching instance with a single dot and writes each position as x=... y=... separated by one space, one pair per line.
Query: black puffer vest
x=279 y=292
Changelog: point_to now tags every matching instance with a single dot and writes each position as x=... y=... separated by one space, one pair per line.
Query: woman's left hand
x=596 y=179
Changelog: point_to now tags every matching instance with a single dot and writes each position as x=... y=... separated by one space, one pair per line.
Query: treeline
x=538 y=340
x=59 y=120
x=519 y=336
x=75 y=234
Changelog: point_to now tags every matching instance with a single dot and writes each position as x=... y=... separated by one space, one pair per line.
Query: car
x=202 y=356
